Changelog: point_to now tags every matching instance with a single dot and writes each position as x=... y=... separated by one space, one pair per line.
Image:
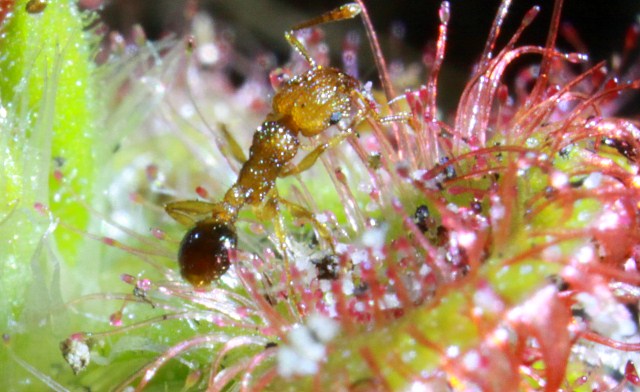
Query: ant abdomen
x=204 y=252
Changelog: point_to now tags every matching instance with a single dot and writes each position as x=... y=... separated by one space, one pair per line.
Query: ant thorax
x=274 y=145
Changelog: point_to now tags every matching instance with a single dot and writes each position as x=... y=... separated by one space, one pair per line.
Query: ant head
x=317 y=99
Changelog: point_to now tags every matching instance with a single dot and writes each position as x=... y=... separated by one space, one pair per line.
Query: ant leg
x=188 y=212
x=299 y=211
x=347 y=11
x=403 y=117
x=270 y=210
x=232 y=147
x=311 y=158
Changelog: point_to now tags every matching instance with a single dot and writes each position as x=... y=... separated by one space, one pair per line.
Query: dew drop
x=445 y=12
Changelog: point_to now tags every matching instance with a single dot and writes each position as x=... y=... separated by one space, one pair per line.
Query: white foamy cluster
x=306 y=346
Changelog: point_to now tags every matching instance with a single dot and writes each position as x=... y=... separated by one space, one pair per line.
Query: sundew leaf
x=47 y=147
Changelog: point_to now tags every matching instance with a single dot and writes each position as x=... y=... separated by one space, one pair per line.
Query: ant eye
x=278 y=77
x=335 y=118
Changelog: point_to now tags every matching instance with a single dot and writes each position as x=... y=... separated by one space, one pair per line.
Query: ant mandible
x=307 y=105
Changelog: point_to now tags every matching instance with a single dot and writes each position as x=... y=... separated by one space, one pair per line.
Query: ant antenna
x=347 y=11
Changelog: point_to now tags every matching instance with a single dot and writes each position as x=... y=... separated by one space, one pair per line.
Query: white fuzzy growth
x=375 y=237
x=552 y=253
x=424 y=270
x=485 y=300
x=611 y=319
x=77 y=354
x=593 y=180
x=609 y=220
x=390 y=301
x=418 y=174
x=347 y=287
x=608 y=317
x=306 y=346
x=453 y=351
x=321 y=218
x=559 y=180
x=359 y=256
x=471 y=360
x=585 y=254
x=536 y=310
x=418 y=386
x=302 y=257
x=324 y=328
x=466 y=238
x=325 y=286
x=429 y=184
x=532 y=142
x=290 y=362
x=497 y=209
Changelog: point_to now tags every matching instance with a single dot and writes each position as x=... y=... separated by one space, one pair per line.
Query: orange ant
x=307 y=105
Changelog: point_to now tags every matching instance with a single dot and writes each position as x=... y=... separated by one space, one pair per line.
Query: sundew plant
x=492 y=247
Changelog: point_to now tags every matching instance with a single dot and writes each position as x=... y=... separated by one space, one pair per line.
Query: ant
x=307 y=104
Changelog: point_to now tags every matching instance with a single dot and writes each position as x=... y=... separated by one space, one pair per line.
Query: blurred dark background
x=601 y=23
x=405 y=26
